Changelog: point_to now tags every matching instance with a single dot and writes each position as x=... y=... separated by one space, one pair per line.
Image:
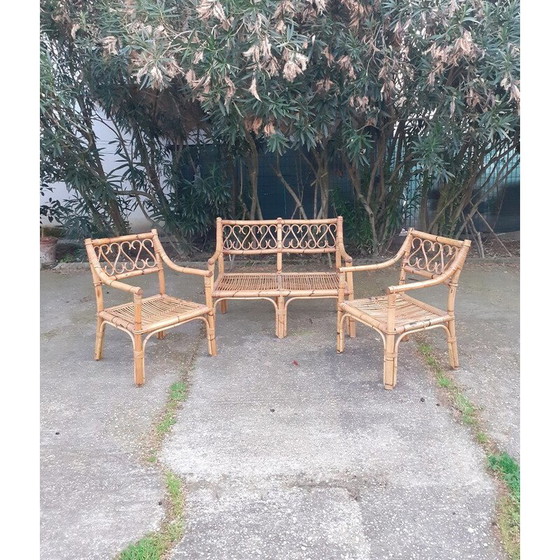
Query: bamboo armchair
x=114 y=259
x=435 y=260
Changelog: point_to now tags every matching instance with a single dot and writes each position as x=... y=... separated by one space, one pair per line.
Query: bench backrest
x=260 y=237
x=279 y=237
x=430 y=256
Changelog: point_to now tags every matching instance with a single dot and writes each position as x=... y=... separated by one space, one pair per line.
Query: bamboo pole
x=389 y=358
x=279 y=247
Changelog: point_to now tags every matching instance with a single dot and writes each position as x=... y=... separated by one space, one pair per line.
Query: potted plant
x=50 y=234
x=48 y=247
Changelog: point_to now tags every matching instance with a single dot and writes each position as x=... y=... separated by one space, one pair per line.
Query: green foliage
x=422 y=90
x=195 y=203
x=357 y=229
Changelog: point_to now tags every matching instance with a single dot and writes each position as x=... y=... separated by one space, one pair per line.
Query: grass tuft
x=509 y=469
x=177 y=394
x=148 y=548
x=509 y=517
x=157 y=545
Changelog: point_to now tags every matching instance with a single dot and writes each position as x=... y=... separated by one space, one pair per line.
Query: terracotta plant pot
x=48 y=251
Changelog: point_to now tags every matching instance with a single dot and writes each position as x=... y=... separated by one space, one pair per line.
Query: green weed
x=509 y=513
x=155 y=545
x=502 y=465
x=509 y=469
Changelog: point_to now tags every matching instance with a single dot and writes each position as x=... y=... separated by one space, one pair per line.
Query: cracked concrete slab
x=97 y=495
x=291 y=451
x=287 y=449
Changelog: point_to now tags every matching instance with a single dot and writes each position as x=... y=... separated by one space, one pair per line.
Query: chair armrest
x=418 y=285
x=212 y=260
x=364 y=267
x=107 y=280
x=383 y=264
x=425 y=283
x=345 y=256
x=185 y=269
x=171 y=264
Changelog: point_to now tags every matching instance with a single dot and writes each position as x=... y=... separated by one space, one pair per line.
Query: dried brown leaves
x=296 y=63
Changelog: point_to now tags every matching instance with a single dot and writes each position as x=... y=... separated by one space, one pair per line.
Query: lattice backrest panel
x=249 y=238
x=240 y=238
x=430 y=258
x=122 y=259
x=309 y=236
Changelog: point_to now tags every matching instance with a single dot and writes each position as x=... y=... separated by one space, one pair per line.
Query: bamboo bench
x=277 y=238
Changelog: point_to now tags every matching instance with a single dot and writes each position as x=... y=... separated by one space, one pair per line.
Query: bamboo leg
x=281 y=327
x=390 y=363
x=138 y=360
x=339 y=332
x=223 y=306
x=99 y=336
x=352 y=328
x=351 y=322
x=211 y=334
x=452 y=345
x=161 y=335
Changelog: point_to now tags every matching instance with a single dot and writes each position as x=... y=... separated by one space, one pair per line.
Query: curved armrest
x=345 y=256
x=212 y=260
x=106 y=279
x=171 y=264
x=422 y=284
x=363 y=267
x=377 y=266
x=184 y=269
x=384 y=264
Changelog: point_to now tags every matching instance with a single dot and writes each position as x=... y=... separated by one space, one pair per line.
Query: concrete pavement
x=97 y=493
x=287 y=449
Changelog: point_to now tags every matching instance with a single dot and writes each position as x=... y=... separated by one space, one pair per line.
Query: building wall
x=138 y=222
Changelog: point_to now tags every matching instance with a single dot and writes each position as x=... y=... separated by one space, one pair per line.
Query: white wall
x=138 y=222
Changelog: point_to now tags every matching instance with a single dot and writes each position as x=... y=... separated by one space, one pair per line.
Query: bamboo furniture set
x=433 y=260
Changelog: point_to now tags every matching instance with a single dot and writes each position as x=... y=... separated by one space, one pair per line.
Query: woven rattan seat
x=435 y=260
x=310 y=283
x=245 y=285
x=277 y=238
x=273 y=285
x=410 y=314
x=158 y=312
x=118 y=258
